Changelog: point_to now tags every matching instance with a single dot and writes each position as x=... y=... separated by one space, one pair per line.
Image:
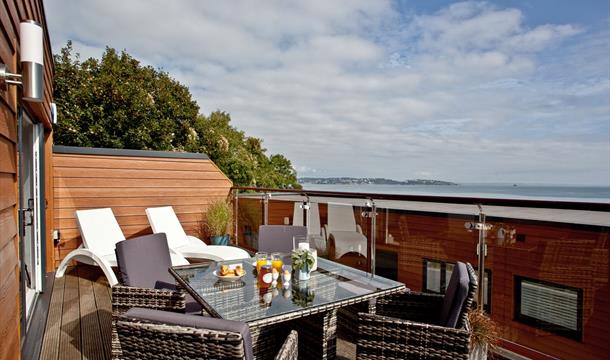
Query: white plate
x=227 y=278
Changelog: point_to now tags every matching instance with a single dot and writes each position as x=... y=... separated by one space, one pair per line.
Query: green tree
x=241 y=157
x=115 y=102
x=118 y=103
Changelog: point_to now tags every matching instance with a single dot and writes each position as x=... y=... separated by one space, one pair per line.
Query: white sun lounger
x=343 y=229
x=100 y=232
x=313 y=223
x=164 y=220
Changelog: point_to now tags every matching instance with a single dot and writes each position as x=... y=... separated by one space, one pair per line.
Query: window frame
x=542 y=324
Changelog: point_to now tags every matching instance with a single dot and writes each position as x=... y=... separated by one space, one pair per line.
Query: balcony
x=545 y=273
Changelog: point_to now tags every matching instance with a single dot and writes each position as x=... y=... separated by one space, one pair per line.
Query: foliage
x=484 y=331
x=241 y=157
x=218 y=217
x=116 y=102
x=302 y=259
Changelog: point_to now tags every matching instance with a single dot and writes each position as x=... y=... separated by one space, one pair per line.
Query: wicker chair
x=151 y=334
x=420 y=325
x=145 y=281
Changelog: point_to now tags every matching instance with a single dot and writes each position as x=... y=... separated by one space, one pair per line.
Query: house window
x=437 y=274
x=548 y=306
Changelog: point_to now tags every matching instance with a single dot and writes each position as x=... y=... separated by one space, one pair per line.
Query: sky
x=499 y=91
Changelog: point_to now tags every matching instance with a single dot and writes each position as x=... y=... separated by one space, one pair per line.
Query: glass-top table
x=330 y=287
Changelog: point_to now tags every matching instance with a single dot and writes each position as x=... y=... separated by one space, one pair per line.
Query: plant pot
x=303 y=275
x=220 y=239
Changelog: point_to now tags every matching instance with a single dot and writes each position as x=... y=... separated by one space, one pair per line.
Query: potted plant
x=218 y=218
x=484 y=334
x=302 y=262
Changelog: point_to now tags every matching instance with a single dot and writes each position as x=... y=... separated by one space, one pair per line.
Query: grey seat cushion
x=456 y=294
x=195 y=321
x=144 y=261
x=278 y=238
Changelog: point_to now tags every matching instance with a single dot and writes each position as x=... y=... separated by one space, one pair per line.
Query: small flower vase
x=303 y=274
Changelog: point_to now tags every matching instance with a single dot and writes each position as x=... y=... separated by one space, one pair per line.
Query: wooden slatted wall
x=12 y=12
x=128 y=185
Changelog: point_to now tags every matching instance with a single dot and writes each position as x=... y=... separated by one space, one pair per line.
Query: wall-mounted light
x=32 y=63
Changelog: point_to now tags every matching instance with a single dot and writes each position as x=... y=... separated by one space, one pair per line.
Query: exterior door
x=30 y=136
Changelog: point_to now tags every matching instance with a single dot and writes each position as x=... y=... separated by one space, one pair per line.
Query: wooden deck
x=80 y=317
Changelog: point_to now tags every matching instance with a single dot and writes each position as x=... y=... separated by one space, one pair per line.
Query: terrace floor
x=80 y=317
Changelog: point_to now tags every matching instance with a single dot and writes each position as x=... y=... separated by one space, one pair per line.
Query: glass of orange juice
x=276 y=262
x=261 y=260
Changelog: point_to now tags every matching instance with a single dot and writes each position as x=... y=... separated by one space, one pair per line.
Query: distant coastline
x=369 y=181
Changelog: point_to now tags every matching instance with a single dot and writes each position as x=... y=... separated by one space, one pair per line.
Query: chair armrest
x=290 y=348
x=414 y=306
x=126 y=297
x=324 y=231
x=382 y=337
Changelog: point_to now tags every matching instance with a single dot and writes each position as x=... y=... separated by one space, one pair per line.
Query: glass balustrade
x=546 y=267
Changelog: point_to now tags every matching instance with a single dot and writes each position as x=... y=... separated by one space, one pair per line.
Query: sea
x=482 y=190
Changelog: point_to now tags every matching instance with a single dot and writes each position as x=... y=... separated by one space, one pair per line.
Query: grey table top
x=332 y=284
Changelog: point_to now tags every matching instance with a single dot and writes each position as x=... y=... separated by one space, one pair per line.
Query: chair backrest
x=458 y=296
x=143 y=261
x=164 y=220
x=278 y=238
x=341 y=218
x=313 y=226
x=99 y=230
x=472 y=290
x=148 y=333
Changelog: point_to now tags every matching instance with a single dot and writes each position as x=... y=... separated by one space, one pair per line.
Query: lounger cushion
x=349 y=241
x=341 y=218
x=455 y=295
x=144 y=261
x=99 y=230
x=195 y=321
x=278 y=238
x=164 y=220
x=199 y=250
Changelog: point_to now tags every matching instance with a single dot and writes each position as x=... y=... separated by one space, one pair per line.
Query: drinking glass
x=261 y=260
x=276 y=262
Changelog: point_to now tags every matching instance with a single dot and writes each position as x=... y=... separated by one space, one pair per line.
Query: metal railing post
x=266 y=197
x=373 y=235
x=482 y=227
x=371 y=213
x=236 y=215
x=482 y=250
x=306 y=219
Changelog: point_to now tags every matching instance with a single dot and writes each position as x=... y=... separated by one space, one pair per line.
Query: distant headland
x=376 y=181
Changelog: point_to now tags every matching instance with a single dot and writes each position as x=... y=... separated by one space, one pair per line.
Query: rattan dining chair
x=421 y=325
x=152 y=334
x=145 y=282
x=143 y=264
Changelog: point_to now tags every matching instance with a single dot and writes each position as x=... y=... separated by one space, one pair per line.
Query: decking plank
x=104 y=311
x=50 y=342
x=91 y=334
x=70 y=340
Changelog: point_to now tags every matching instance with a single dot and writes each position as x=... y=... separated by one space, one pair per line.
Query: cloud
x=470 y=92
